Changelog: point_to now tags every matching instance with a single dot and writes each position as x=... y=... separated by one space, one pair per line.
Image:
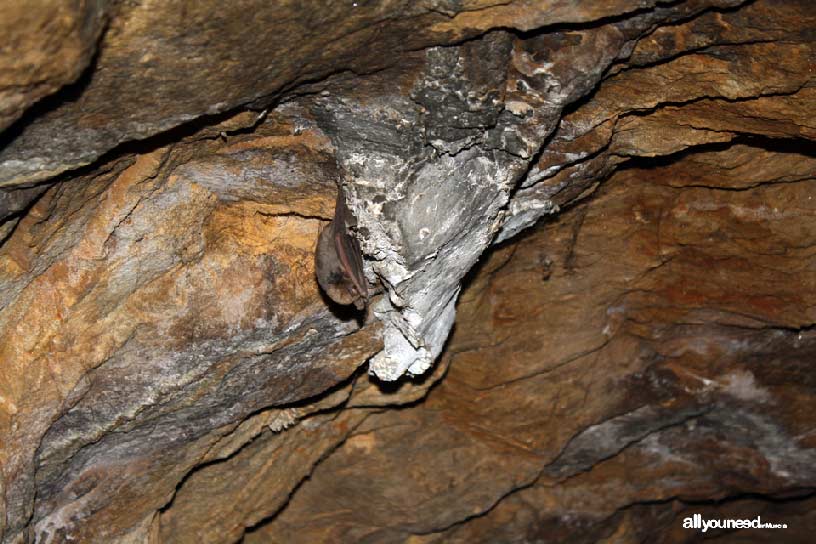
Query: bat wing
x=351 y=259
x=348 y=249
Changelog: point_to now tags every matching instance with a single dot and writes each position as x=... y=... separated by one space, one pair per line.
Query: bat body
x=338 y=260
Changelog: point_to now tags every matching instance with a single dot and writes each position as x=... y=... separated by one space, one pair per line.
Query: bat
x=338 y=260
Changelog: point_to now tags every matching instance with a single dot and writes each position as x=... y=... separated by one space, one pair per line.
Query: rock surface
x=46 y=45
x=170 y=371
x=658 y=374
x=196 y=58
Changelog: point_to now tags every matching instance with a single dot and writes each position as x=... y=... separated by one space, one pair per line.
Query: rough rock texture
x=659 y=374
x=126 y=268
x=474 y=116
x=46 y=44
x=195 y=58
x=170 y=371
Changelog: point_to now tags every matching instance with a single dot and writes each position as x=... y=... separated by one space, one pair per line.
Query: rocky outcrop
x=46 y=45
x=198 y=59
x=656 y=377
x=171 y=372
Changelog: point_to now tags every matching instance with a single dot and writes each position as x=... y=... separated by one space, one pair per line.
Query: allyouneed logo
x=697 y=522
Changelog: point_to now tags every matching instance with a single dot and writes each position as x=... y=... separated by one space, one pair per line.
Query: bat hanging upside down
x=338 y=261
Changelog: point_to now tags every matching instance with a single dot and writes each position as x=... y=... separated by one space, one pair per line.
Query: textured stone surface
x=161 y=64
x=393 y=151
x=169 y=371
x=660 y=370
x=475 y=123
x=120 y=272
x=705 y=81
x=46 y=44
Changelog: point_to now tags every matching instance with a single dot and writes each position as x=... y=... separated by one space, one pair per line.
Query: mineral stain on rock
x=171 y=372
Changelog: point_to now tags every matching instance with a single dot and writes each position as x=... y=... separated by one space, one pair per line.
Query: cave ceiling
x=587 y=230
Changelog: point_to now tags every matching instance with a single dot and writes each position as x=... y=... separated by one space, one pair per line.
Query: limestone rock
x=174 y=266
x=658 y=371
x=610 y=204
x=163 y=64
x=46 y=45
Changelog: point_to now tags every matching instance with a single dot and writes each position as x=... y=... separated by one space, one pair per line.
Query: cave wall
x=589 y=224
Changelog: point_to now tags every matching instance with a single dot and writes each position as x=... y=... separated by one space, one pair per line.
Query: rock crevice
x=588 y=227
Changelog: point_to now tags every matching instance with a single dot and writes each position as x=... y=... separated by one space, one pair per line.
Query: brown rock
x=169 y=371
x=134 y=265
x=46 y=44
x=654 y=371
x=234 y=55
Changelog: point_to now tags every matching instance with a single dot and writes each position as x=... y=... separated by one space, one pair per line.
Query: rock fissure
x=170 y=372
